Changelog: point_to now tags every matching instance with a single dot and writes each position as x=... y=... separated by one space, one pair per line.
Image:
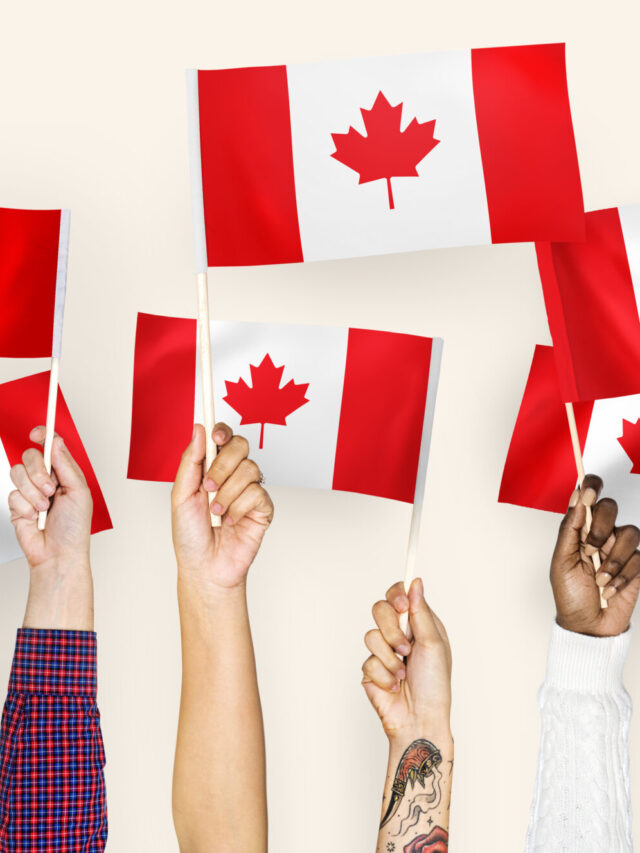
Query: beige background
x=92 y=117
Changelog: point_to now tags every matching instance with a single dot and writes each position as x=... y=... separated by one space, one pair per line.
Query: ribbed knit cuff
x=54 y=661
x=587 y=664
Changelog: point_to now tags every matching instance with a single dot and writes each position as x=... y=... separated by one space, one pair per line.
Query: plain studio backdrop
x=93 y=117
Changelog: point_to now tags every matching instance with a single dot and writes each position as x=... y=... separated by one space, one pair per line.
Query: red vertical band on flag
x=529 y=157
x=164 y=381
x=592 y=311
x=248 y=182
x=23 y=405
x=385 y=383
x=540 y=471
x=28 y=266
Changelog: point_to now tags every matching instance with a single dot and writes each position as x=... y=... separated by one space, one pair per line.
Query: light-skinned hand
x=218 y=555
x=408 y=681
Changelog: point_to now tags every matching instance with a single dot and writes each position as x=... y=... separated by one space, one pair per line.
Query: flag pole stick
x=201 y=267
x=421 y=478
x=56 y=347
x=577 y=452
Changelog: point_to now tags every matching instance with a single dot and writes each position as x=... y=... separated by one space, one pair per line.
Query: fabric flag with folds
x=540 y=470
x=592 y=293
x=23 y=405
x=388 y=154
x=34 y=246
x=324 y=407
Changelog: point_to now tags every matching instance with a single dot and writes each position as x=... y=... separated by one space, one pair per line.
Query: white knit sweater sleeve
x=582 y=799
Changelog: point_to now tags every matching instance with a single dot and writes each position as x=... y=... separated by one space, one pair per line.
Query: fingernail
x=218 y=436
x=401 y=674
x=404 y=649
x=228 y=519
x=609 y=593
x=402 y=602
x=48 y=488
x=216 y=508
x=43 y=505
x=395 y=688
x=603 y=578
x=589 y=496
x=210 y=486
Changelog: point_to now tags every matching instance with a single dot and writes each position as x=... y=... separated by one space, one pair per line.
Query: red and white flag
x=540 y=470
x=592 y=293
x=312 y=400
x=34 y=246
x=23 y=405
x=388 y=154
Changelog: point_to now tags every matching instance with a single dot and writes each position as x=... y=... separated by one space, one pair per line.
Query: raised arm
x=219 y=796
x=582 y=800
x=52 y=791
x=409 y=685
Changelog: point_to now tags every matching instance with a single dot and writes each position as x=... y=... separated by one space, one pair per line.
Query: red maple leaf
x=630 y=443
x=386 y=151
x=265 y=402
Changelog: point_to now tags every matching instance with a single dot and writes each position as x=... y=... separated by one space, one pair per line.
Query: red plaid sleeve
x=52 y=791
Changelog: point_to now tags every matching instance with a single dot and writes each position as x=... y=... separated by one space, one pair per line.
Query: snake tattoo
x=417 y=763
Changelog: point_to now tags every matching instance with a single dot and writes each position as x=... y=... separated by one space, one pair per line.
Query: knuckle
x=252 y=469
x=366 y=666
x=371 y=637
x=378 y=609
x=16 y=472
x=241 y=443
x=30 y=455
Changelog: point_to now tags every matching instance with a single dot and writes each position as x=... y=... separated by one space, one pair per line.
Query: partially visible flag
x=540 y=470
x=34 y=246
x=387 y=154
x=325 y=407
x=23 y=405
x=592 y=294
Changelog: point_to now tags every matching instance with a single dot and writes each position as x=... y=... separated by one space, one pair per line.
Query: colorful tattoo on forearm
x=436 y=842
x=419 y=762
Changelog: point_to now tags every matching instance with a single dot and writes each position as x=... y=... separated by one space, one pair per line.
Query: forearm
x=219 y=788
x=60 y=596
x=417 y=792
x=582 y=798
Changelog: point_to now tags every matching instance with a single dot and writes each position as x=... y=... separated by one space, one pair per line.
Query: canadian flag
x=325 y=407
x=592 y=292
x=34 y=246
x=388 y=154
x=540 y=470
x=23 y=405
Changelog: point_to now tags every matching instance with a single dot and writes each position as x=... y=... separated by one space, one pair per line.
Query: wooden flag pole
x=201 y=267
x=421 y=478
x=204 y=336
x=56 y=347
x=577 y=452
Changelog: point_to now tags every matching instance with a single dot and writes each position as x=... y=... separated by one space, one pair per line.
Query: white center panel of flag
x=445 y=206
x=302 y=452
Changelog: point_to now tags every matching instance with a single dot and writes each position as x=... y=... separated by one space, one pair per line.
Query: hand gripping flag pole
x=61 y=287
x=577 y=452
x=201 y=268
x=421 y=477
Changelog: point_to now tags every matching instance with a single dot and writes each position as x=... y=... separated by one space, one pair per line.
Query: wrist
x=60 y=595
x=207 y=595
x=438 y=731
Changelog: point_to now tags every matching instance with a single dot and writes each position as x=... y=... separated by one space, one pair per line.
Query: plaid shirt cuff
x=54 y=662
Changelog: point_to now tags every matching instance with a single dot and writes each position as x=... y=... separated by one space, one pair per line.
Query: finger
x=189 y=476
x=226 y=462
x=628 y=574
x=590 y=489
x=33 y=461
x=590 y=550
x=29 y=490
x=21 y=508
x=253 y=499
x=568 y=542
x=379 y=648
x=222 y=434
x=374 y=670
x=388 y=622
x=603 y=522
x=627 y=540
x=397 y=597
x=247 y=472
x=425 y=630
